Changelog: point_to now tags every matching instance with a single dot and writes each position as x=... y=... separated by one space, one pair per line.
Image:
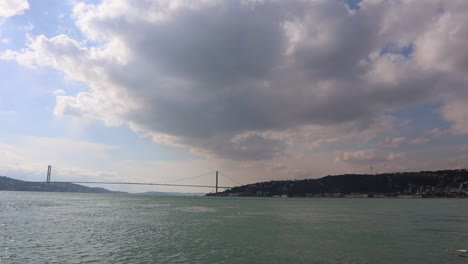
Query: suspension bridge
x=167 y=183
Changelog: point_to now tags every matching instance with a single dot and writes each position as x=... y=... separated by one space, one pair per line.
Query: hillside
x=442 y=183
x=9 y=184
x=170 y=193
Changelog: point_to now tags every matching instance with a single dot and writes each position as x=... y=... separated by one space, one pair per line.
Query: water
x=103 y=228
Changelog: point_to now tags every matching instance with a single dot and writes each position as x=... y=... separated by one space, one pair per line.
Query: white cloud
x=393 y=142
x=420 y=140
x=9 y=8
x=58 y=92
x=436 y=132
x=62 y=150
x=25 y=154
x=456 y=111
x=9 y=154
x=27 y=158
x=222 y=77
x=28 y=27
x=325 y=142
x=368 y=155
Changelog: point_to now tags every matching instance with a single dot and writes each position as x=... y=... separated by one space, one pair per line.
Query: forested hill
x=9 y=184
x=442 y=183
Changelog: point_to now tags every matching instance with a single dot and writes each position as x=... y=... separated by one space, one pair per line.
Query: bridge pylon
x=49 y=171
x=216 y=181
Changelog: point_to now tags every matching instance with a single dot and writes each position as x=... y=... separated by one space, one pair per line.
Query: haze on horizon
x=151 y=91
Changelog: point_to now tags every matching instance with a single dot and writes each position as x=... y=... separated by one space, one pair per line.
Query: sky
x=162 y=90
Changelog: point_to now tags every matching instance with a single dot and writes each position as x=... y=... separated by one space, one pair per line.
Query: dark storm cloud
x=219 y=76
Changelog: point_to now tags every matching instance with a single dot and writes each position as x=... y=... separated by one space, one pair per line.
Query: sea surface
x=119 y=228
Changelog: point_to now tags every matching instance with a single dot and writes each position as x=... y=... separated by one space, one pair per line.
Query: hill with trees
x=9 y=184
x=441 y=183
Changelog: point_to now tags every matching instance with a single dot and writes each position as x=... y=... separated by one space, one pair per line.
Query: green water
x=102 y=228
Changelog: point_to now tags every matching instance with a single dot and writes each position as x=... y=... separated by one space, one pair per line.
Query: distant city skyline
x=153 y=91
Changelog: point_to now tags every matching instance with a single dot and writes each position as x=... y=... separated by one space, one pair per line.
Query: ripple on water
x=197 y=209
x=76 y=228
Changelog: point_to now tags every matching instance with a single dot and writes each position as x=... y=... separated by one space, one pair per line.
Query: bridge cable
x=231 y=178
x=170 y=181
x=188 y=178
x=71 y=172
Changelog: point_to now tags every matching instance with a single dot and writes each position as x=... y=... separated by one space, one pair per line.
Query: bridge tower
x=216 y=181
x=49 y=171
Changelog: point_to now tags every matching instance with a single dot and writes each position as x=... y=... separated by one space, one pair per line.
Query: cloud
x=457 y=113
x=436 y=132
x=25 y=154
x=393 y=142
x=368 y=155
x=9 y=153
x=405 y=123
x=420 y=140
x=58 y=92
x=325 y=142
x=226 y=78
x=464 y=148
x=9 y=8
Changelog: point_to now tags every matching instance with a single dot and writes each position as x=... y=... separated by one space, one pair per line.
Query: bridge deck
x=142 y=183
